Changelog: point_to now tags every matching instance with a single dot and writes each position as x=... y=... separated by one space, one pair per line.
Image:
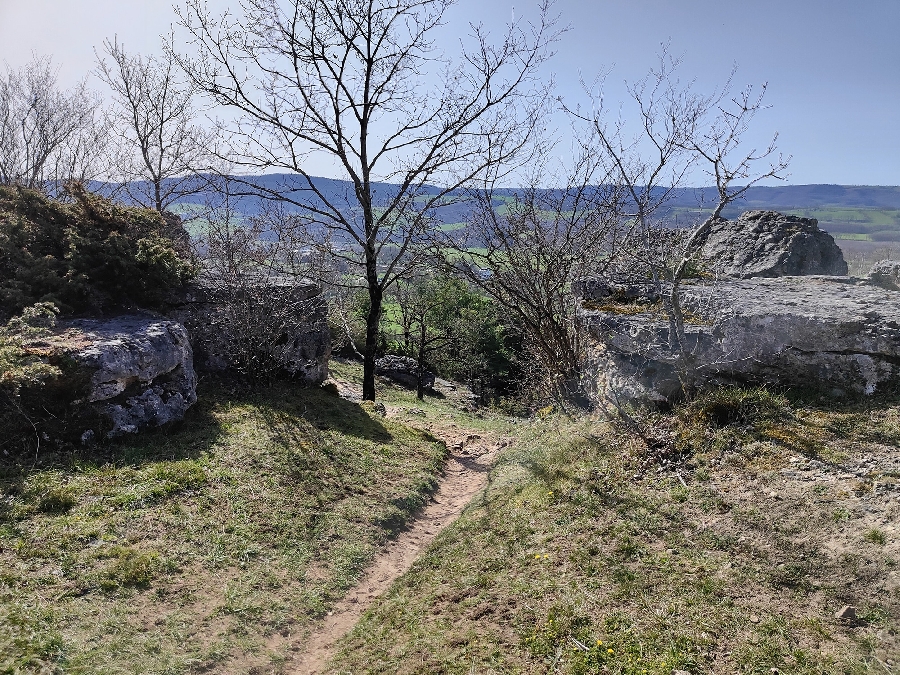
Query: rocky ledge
x=403 y=370
x=138 y=370
x=837 y=334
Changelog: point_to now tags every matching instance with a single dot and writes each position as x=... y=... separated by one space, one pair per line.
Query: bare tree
x=350 y=81
x=679 y=134
x=718 y=145
x=527 y=254
x=262 y=303
x=161 y=144
x=47 y=135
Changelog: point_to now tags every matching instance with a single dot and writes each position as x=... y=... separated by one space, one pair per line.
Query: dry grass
x=578 y=561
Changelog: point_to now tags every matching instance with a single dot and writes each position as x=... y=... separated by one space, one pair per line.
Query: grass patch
x=578 y=561
x=207 y=545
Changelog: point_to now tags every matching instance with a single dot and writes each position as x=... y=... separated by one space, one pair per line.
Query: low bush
x=20 y=366
x=736 y=406
x=86 y=254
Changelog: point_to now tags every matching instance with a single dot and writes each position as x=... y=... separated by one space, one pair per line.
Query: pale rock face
x=886 y=274
x=403 y=370
x=141 y=369
x=837 y=334
x=771 y=244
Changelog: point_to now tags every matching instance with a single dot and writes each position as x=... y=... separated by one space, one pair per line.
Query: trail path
x=465 y=474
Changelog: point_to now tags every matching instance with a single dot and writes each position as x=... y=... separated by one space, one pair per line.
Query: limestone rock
x=286 y=313
x=832 y=333
x=846 y=613
x=886 y=274
x=139 y=369
x=771 y=244
x=403 y=370
x=617 y=288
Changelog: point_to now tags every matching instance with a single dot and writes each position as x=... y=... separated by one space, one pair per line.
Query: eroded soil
x=465 y=475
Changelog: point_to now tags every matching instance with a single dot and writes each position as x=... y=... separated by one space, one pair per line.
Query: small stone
x=331 y=387
x=680 y=672
x=774 y=495
x=846 y=613
x=754 y=618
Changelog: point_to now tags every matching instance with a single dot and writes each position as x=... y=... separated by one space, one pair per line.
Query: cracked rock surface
x=772 y=244
x=140 y=369
x=838 y=334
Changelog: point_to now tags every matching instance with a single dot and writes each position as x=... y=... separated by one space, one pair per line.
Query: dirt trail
x=465 y=474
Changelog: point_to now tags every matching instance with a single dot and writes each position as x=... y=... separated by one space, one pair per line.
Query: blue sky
x=832 y=67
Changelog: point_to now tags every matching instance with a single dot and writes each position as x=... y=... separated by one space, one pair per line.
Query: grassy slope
x=741 y=571
x=200 y=546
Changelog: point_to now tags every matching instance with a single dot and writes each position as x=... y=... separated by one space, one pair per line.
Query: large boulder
x=403 y=370
x=886 y=273
x=836 y=334
x=771 y=244
x=137 y=371
x=283 y=317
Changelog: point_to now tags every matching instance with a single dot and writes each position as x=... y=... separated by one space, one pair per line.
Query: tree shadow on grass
x=324 y=411
x=285 y=407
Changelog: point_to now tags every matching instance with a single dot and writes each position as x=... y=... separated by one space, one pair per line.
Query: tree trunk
x=420 y=370
x=157 y=193
x=373 y=319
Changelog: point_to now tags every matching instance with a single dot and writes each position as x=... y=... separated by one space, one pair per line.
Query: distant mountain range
x=862 y=212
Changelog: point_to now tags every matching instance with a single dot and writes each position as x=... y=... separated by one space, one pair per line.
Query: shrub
x=735 y=406
x=36 y=385
x=87 y=254
x=19 y=365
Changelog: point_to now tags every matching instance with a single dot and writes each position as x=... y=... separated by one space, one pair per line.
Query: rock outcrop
x=284 y=316
x=138 y=370
x=403 y=370
x=771 y=244
x=886 y=274
x=618 y=288
x=837 y=334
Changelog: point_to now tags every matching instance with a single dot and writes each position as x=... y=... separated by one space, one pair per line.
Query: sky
x=832 y=66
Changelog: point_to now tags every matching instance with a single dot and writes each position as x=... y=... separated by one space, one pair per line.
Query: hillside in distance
x=849 y=212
